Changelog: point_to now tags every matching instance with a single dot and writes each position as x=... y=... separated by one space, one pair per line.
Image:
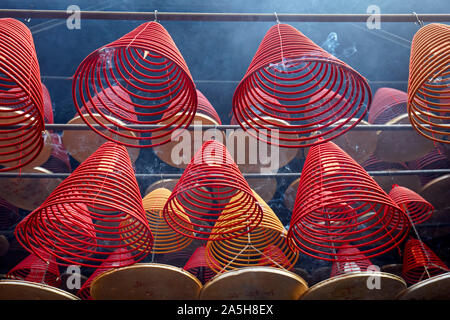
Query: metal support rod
x=76 y=127
x=210 y=16
x=246 y=175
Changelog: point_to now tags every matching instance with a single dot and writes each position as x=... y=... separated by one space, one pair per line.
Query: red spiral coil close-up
x=342 y=267
x=198 y=265
x=291 y=69
x=9 y=215
x=146 y=65
x=120 y=258
x=212 y=175
x=47 y=102
x=419 y=262
x=436 y=159
x=59 y=161
x=87 y=216
x=338 y=203
x=417 y=208
x=428 y=82
x=34 y=269
x=387 y=104
x=21 y=101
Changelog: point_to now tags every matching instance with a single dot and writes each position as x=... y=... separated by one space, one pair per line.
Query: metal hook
x=276 y=17
x=419 y=22
x=156 y=16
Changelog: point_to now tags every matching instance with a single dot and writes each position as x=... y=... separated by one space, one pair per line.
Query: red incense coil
x=291 y=68
x=146 y=64
x=106 y=188
x=342 y=267
x=428 y=83
x=198 y=265
x=205 y=107
x=264 y=245
x=47 y=102
x=34 y=269
x=120 y=258
x=21 y=101
x=59 y=161
x=9 y=215
x=165 y=239
x=212 y=175
x=338 y=203
x=436 y=159
x=387 y=104
x=418 y=259
x=418 y=209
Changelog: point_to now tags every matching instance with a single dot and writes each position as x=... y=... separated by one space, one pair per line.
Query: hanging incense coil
x=428 y=90
x=417 y=208
x=21 y=101
x=165 y=239
x=34 y=269
x=264 y=245
x=212 y=174
x=9 y=215
x=145 y=64
x=436 y=159
x=291 y=68
x=179 y=152
x=386 y=181
x=59 y=161
x=343 y=267
x=338 y=203
x=86 y=216
x=198 y=265
x=389 y=107
x=419 y=262
x=119 y=258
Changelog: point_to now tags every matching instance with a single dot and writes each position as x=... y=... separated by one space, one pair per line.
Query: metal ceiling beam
x=236 y=17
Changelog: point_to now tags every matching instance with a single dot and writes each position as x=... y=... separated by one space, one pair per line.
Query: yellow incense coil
x=265 y=245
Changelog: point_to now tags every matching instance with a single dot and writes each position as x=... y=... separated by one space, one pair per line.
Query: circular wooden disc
x=291 y=194
x=146 y=281
x=195 y=141
x=165 y=183
x=359 y=144
x=394 y=268
x=401 y=145
x=82 y=143
x=28 y=193
x=242 y=142
x=42 y=156
x=4 y=245
x=25 y=290
x=437 y=192
x=353 y=286
x=435 y=288
x=265 y=187
x=409 y=181
x=255 y=283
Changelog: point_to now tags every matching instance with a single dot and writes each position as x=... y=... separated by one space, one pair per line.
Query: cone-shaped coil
x=436 y=159
x=291 y=68
x=198 y=265
x=84 y=219
x=387 y=104
x=48 y=107
x=420 y=262
x=9 y=215
x=146 y=64
x=338 y=203
x=418 y=209
x=212 y=175
x=120 y=258
x=34 y=269
x=165 y=239
x=342 y=267
x=428 y=83
x=21 y=101
x=264 y=245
